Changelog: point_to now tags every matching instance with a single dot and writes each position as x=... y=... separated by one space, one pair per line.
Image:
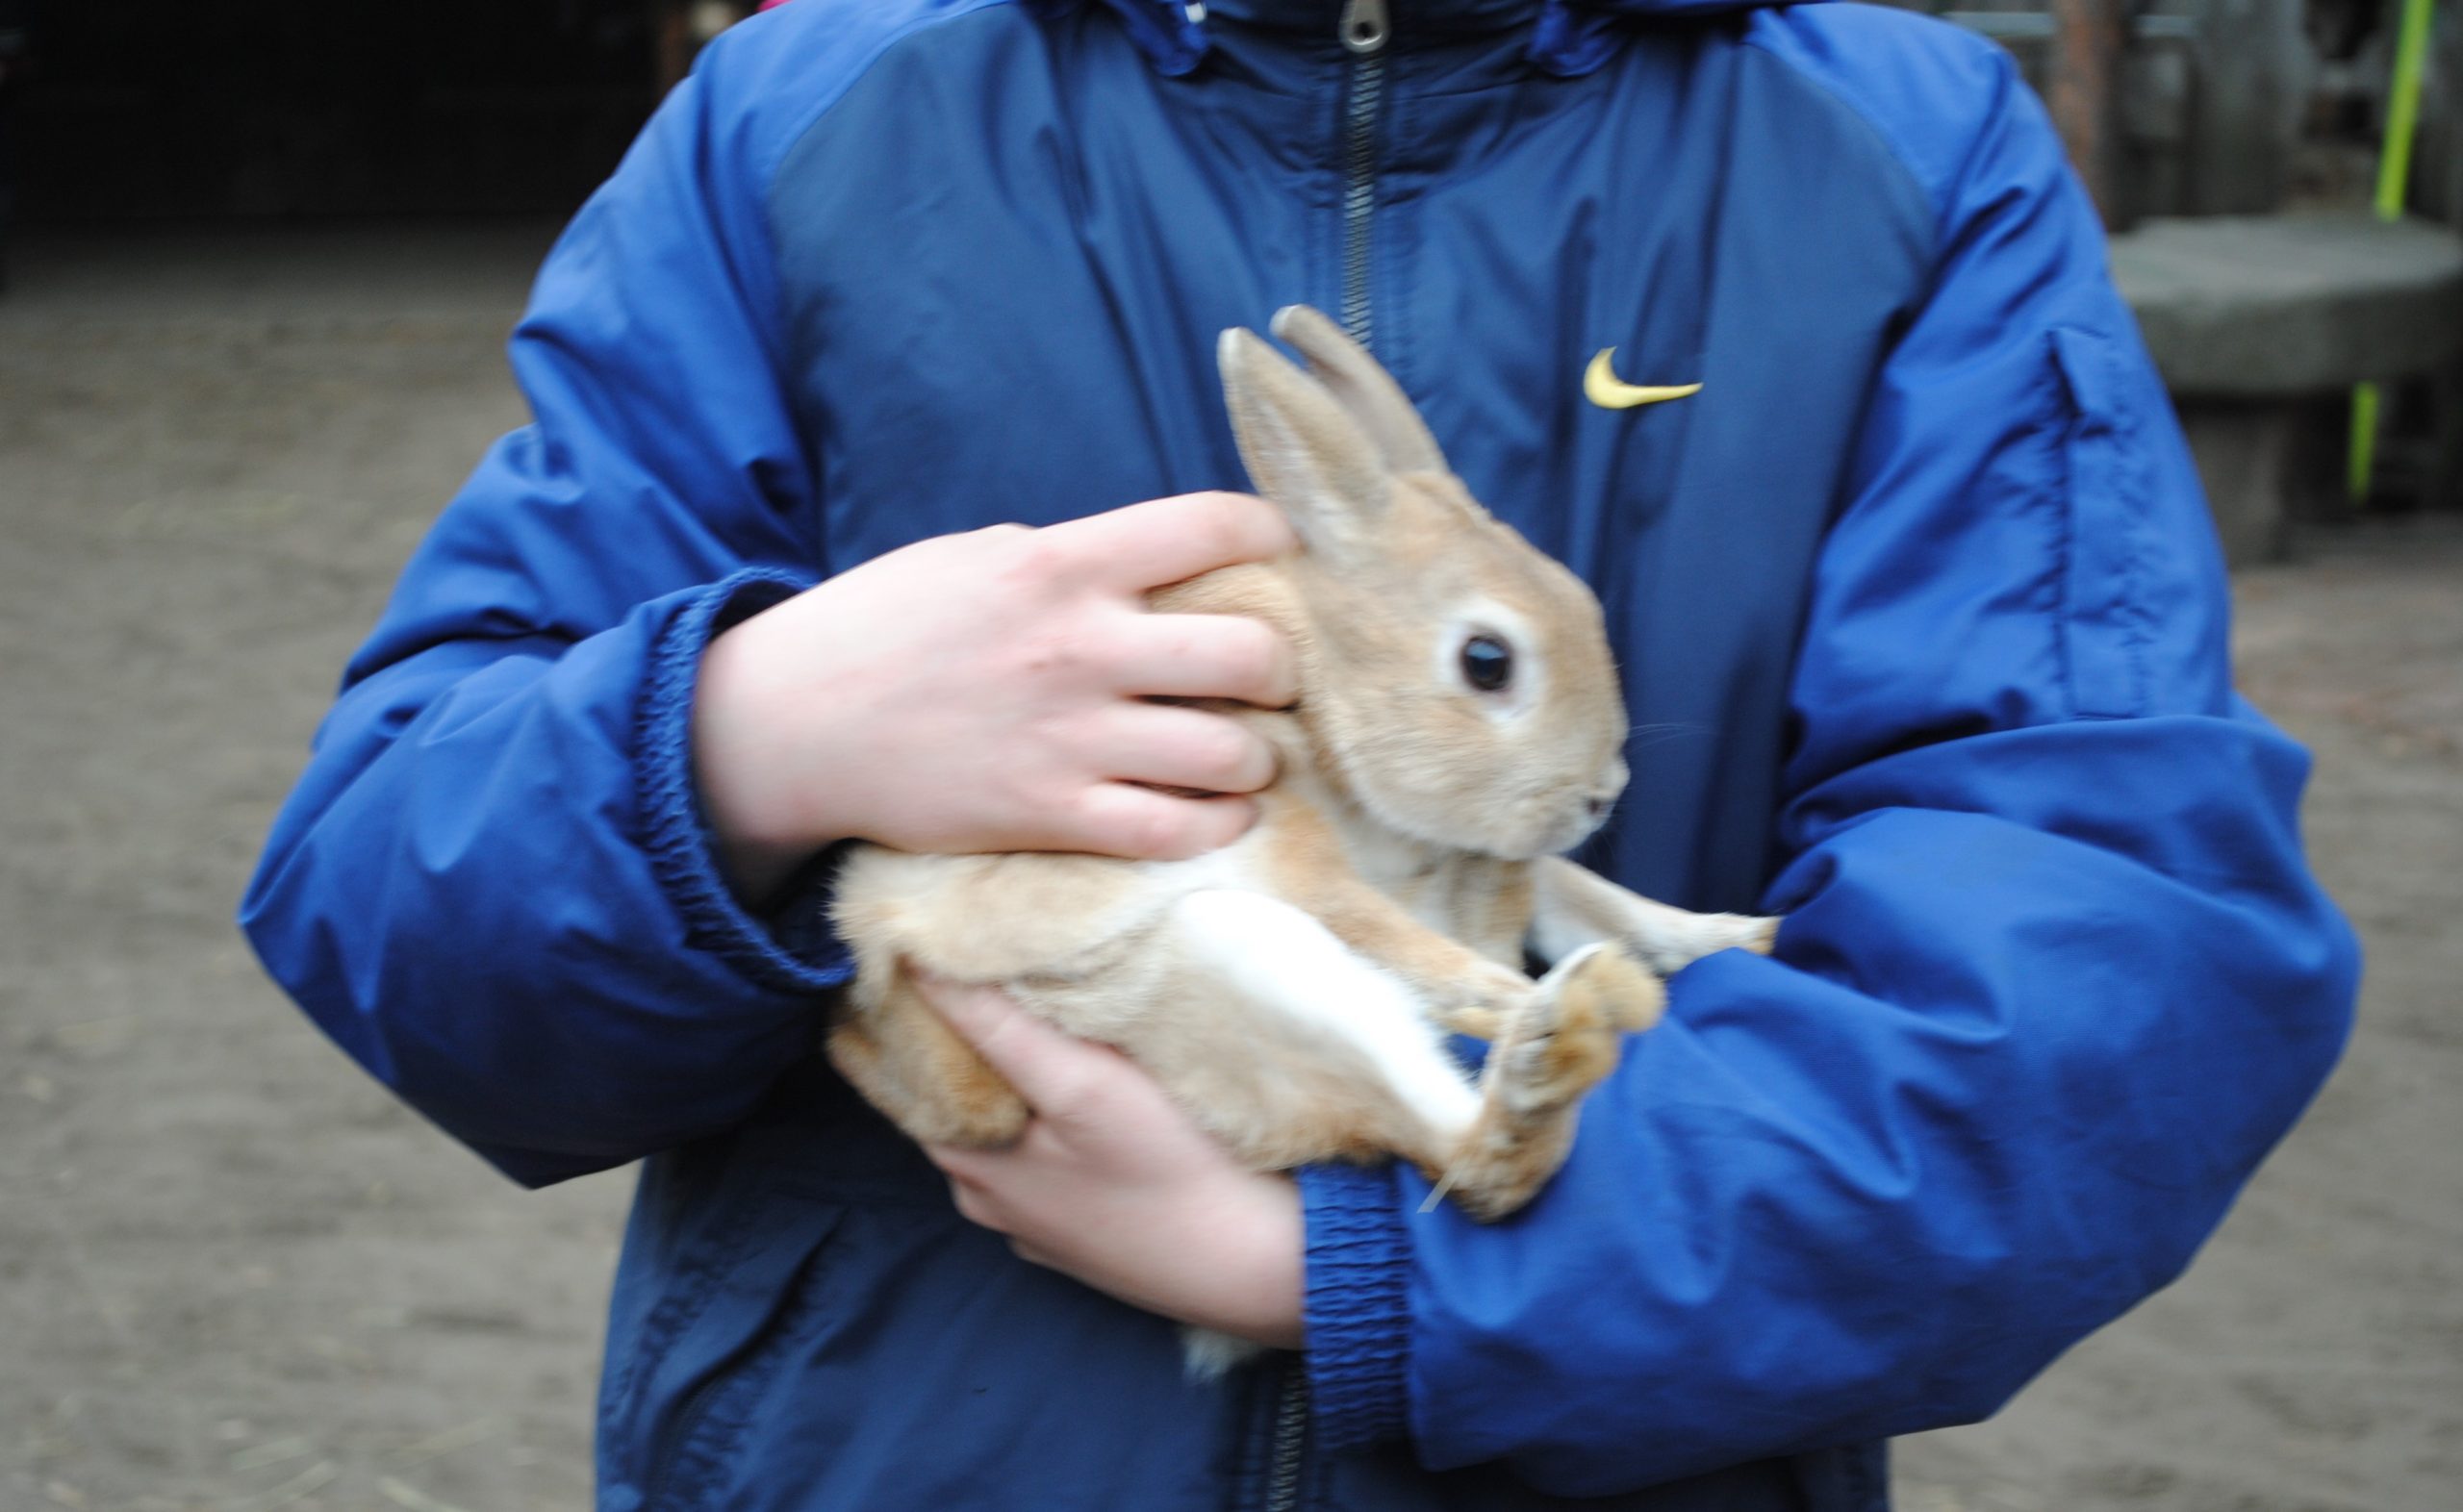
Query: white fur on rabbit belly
x=1272 y=952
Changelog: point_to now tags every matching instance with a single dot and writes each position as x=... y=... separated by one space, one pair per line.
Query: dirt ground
x=234 y=1275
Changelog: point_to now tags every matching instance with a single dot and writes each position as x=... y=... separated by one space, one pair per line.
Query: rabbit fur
x=1292 y=990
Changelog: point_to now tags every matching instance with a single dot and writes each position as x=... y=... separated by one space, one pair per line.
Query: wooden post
x=2084 y=94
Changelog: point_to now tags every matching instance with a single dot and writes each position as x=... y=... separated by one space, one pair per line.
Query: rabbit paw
x=1480 y=1002
x=1555 y=1050
x=1670 y=949
x=1607 y=982
x=1566 y=1040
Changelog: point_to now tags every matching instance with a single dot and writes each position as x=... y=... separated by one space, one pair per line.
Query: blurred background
x=260 y=257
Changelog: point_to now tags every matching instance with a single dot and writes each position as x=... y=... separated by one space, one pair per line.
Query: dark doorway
x=261 y=109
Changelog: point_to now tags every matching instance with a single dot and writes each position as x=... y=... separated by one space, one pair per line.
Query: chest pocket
x=734 y=1314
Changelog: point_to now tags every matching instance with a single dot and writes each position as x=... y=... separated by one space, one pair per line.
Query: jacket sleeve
x=2054 y=976
x=491 y=887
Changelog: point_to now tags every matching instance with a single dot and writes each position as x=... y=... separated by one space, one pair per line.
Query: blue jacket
x=1922 y=626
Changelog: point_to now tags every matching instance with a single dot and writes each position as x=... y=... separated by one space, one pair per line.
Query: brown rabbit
x=1458 y=723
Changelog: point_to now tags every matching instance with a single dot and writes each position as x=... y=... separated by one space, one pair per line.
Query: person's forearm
x=598 y=996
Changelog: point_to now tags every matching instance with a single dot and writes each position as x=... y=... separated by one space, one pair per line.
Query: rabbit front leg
x=1460 y=989
x=1572 y=906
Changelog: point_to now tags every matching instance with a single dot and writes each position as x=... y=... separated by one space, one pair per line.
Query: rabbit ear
x=1304 y=450
x=1366 y=389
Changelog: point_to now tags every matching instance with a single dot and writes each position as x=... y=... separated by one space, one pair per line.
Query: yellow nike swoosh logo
x=1600 y=385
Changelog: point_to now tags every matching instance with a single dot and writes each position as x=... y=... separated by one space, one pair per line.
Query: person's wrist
x=764 y=830
x=1358 y=1257
x=1264 y=1300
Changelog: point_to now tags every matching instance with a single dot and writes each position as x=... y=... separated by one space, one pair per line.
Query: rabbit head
x=1456 y=682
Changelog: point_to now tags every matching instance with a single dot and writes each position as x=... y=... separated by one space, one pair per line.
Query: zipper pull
x=1365 y=27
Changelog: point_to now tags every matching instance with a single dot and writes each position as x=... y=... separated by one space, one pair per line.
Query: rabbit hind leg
x=910 y=1065
x=1557 y=1049
x=1311 y=1051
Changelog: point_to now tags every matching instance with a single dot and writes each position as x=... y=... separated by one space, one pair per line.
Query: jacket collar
x=1565 y=37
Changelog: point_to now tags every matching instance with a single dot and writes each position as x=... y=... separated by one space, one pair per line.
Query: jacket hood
x=1567 y=37
x=1458 y=15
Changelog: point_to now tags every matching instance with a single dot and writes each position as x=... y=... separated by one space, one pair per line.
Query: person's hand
x=1111 y=1183
x=988 y=691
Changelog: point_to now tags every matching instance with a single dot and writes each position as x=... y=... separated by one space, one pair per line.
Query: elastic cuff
x=1357 y=1310
x=794 y=951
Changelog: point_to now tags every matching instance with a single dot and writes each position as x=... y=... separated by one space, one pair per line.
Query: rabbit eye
x=1488 y=665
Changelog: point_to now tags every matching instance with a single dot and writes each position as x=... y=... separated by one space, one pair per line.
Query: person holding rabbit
x=875 y=404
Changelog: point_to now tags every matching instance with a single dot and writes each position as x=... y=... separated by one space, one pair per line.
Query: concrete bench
x=2257 y=322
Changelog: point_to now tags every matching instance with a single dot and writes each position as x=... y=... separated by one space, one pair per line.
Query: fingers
x=1120 y=818
x=1147 y=782
x=1136 y=823
x=974 y=1191
x=1167 y=540
x=1207 y=656
x=1168 y=746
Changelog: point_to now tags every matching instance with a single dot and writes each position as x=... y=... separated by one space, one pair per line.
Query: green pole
x=2394 y=172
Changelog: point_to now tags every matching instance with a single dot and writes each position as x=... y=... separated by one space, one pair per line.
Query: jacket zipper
x=1290 y=1435
x=1365 y=28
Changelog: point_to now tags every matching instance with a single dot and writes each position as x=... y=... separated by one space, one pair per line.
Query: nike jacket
x=1922 y=626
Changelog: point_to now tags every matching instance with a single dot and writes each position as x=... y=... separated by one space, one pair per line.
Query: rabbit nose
x=1598 y=804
